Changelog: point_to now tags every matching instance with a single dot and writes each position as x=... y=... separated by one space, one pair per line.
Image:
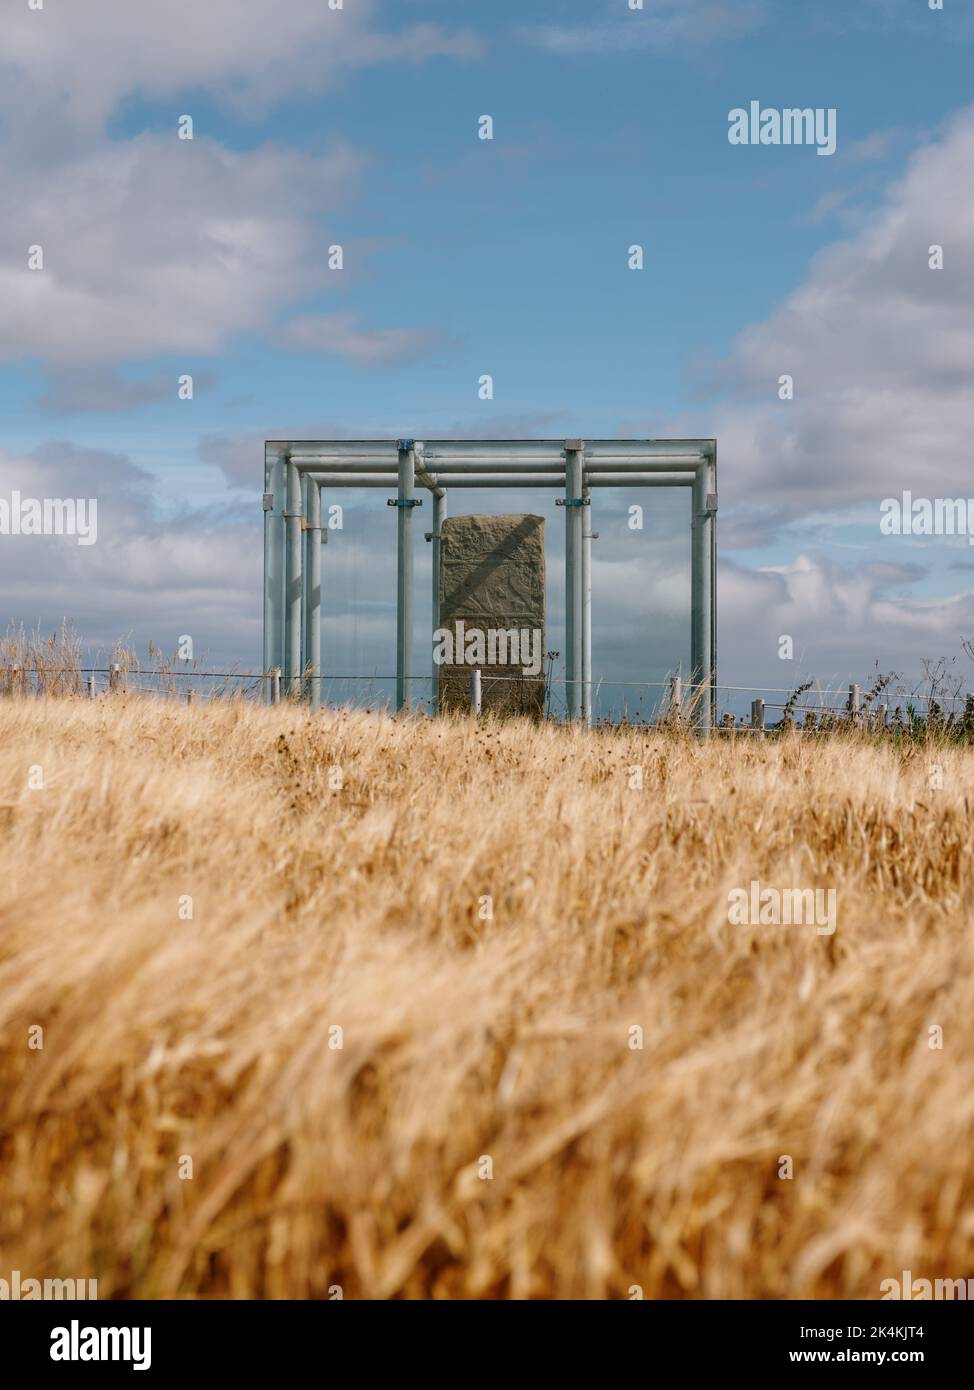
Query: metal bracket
x=573 y=501
x=711 y=503
x=268 y=501
x=573 y=445
x=403 y=444
x=404 y=501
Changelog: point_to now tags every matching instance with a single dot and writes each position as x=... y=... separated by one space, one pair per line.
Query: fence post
x=276 y=686
x=189 y=697
x=855 y=704
x=475 y=692
x=91 y=687
x=114 y=675
x=676 y=697
x=757 y=714
x=881 y=712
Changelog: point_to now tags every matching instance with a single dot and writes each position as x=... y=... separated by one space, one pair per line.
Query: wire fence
x=877 y=705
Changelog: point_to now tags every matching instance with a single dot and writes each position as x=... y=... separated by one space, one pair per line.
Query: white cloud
x=157 y=245
x=153 y=244
x=881 y=349
x=81 y=58
x=343 y=333
x=145 y=576
x=844 y=621
x=661 y=24
x=73 y=390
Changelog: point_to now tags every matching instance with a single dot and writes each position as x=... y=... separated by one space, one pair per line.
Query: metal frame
x=296 y=471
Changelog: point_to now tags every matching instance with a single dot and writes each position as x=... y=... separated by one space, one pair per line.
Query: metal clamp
x=268 y=501
x=404 y=501
x=711 y=503
x=404 y=444
x=573 y=501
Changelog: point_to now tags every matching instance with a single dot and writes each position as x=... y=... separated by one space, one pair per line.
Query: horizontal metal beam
x=441 y=464
x=539 y=450
x=682 y=462
x=639 y=480
x=344 y=465
x=355 y=480
x=508 y=480
x=602 y=450
x=439 y=482
x=444 y=464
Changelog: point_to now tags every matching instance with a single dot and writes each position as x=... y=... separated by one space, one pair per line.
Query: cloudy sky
x=165 y=257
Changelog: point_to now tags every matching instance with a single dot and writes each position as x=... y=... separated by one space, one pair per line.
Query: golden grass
x=317 y=907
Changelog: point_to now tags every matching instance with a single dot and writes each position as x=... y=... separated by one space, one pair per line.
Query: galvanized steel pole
x=405 y=503
x=573 y=605
x=586 y=687
x=312 y=644
x=273 y=565
x=292 y=666
x=436 y=538
x=701 y=664
x=305 y=570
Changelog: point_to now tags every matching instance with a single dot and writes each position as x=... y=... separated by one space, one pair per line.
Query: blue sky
x=508 y=256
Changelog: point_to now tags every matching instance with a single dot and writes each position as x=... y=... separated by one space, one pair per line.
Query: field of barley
x=292 y=1004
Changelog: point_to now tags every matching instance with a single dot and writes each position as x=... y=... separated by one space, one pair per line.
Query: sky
x=359 y=126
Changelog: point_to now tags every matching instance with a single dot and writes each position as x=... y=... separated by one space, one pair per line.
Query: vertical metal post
x=312 y=642
x=757 y=714
x=704 y=504
x=292 y=664
x=305 y=599
x=475 y=698
x=276 y=686
x=573 y=577
x=91 y=687
x=882 y=711
x=436 y=539
x=676 y=697
x=115 y=677
x=712 y=498
x=404 y=565
x=855 y=704
x=586 y=702
x=274 y=499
